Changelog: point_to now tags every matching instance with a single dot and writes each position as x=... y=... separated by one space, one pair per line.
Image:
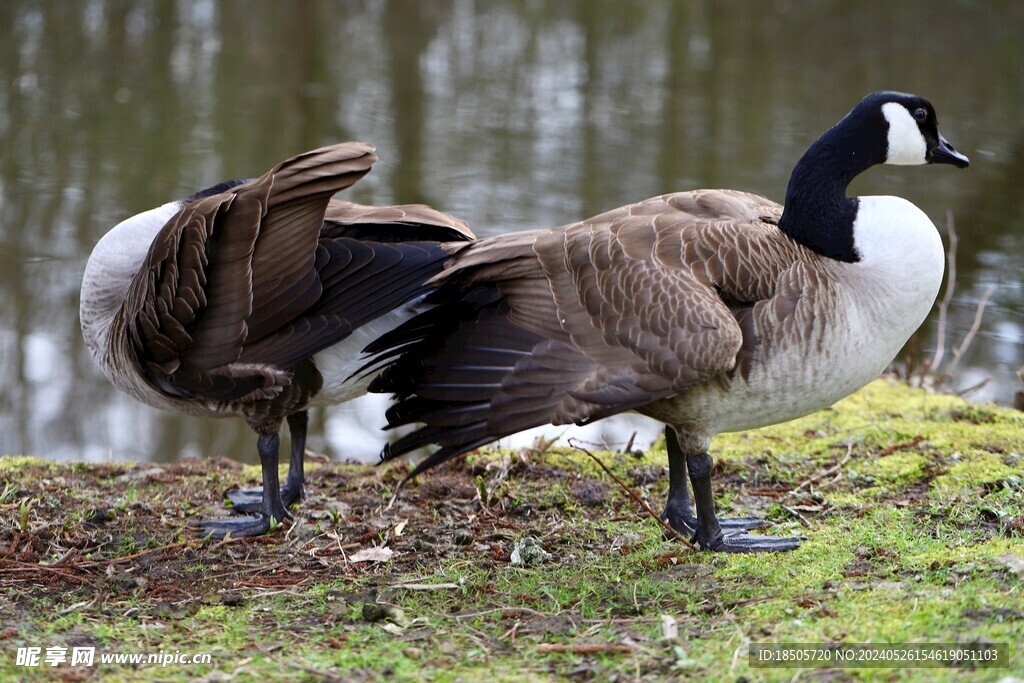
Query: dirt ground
x=903 y=545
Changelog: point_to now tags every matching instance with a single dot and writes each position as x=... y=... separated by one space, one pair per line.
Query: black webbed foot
x=678 y=512
x=734 y=524
x=270 y=506
x=238 y=527
x=746 y=543
x=685 y=522
x=710 y=537
x=249 y=501
x=701 y=521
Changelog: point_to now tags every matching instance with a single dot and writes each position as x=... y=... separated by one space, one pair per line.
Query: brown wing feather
x=242 y=287
x=644 y=289
x=284 y=279
x=190 y=309
x=584 y=321
x=393 y=223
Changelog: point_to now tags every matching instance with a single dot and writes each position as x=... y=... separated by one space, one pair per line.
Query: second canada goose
x=712 y=311
x=253 y=298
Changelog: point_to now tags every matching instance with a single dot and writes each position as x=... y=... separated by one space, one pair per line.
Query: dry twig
x=902 y=446
x=934 y=364
x=975 y=326
x=583 y=648
x=827 y=473
x=947 y=298
x=126 y=558
x=672 y=533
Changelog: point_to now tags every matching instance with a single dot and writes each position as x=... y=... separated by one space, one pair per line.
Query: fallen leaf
x=373 y=554
x=669 y=627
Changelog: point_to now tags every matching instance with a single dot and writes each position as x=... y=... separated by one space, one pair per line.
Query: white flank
x=337 y=363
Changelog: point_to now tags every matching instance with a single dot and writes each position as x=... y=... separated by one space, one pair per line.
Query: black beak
x=943 y=153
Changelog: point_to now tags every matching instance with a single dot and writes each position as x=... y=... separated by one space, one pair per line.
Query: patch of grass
x=912 y=505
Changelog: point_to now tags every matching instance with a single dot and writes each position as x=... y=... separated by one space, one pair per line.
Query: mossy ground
x=912 y=505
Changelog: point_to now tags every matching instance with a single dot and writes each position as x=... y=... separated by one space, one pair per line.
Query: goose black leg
x=249 y=501
x=709 y=532
x=678 y=512
x=271 y=505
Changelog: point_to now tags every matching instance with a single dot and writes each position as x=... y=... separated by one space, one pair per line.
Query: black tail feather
x=446 y=368
x=437 y=457
x=360 y=281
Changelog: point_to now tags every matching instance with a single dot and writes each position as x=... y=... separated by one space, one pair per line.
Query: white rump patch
x=906 y=144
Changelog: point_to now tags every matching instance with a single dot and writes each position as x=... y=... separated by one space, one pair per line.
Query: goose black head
x=912 y=130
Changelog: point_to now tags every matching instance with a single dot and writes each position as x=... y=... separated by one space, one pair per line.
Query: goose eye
x=920 y=114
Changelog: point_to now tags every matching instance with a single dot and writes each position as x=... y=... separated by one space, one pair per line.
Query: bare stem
x=969 y=337
x=636 y=496
x=947 y=298
x=827 y=473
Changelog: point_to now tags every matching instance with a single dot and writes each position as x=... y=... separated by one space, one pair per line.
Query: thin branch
x=133 y=556
x=969 y=337
x=672 y=533
x=902 y=446
x=583 y=648
x=830 y=471
x=629 y=444
x=947 y=298
x=974 y=387
x=803 y=520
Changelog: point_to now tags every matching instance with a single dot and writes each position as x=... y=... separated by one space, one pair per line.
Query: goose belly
x=787 y=385
x=841 y=350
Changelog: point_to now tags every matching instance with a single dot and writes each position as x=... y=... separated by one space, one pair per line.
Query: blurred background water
x=508 y=113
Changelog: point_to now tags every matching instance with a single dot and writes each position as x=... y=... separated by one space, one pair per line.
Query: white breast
x=893 y=287
x=872 y=308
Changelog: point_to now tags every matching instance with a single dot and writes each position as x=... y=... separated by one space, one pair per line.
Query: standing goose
x=712 y=311
x=253 y=298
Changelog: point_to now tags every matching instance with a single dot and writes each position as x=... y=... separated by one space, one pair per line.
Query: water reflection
x=510 y=115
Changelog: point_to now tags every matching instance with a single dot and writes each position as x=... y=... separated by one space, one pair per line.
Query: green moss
x=972 y=468
x=13 y=463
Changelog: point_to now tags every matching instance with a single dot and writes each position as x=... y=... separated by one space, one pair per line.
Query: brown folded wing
x=243 y=285
x=577 y=323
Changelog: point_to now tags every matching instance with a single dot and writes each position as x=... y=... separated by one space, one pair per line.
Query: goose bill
x=943 y=153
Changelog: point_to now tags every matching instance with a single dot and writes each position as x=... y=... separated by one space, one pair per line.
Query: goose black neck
x=817 y=212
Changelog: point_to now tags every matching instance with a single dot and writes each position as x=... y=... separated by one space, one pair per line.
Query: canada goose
x=712 y=311
x=253 y=298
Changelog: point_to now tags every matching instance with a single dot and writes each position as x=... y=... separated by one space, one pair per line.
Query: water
x=508 y=114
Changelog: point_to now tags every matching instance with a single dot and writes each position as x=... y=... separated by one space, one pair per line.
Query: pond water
x=509 y=114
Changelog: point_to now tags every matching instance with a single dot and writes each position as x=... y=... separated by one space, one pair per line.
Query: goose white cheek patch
x=906 y=144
